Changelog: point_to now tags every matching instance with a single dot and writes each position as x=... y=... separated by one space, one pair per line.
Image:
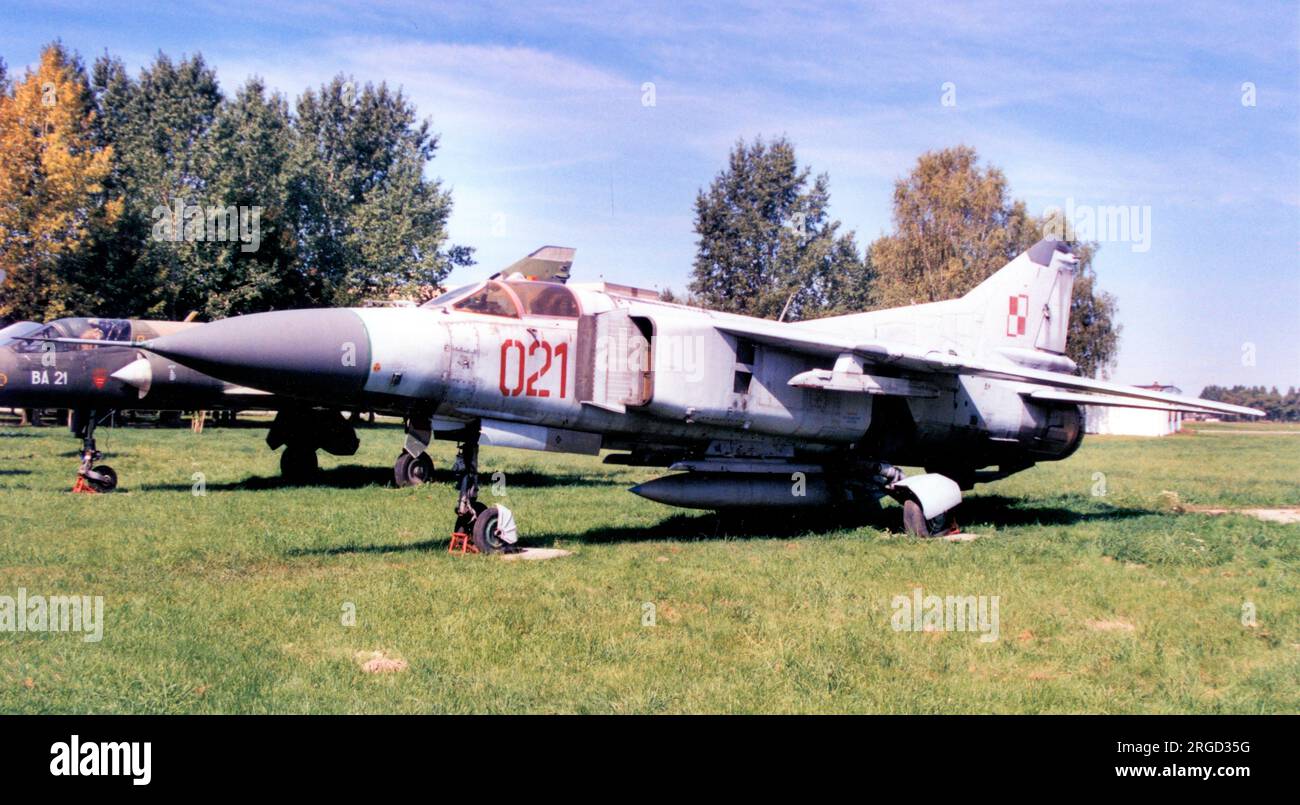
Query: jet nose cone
x=298 y=353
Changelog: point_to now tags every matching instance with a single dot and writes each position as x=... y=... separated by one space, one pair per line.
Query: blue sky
x=546 y=139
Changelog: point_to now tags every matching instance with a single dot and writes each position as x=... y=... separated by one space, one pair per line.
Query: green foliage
x=238 y=204
x=954 y=225
x=249 y=162
x=372 y=226
x=767 y=246
x=159 y=127
x=1276 y=405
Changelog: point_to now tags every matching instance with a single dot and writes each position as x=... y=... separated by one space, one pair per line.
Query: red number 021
x=519 y=384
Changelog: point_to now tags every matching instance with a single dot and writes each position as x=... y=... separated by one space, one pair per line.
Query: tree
x=767 y=246
x=370 y=224
x=157 y=195
x=249 y=174
x=158 y=126
x=955 y=224
x=1276 y=406
x=52 y=174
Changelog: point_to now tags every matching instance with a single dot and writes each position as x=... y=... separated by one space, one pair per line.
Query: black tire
x=106 y=480
x=411 y=470
x=486 y=538
x=298 y=463
x=914 y=521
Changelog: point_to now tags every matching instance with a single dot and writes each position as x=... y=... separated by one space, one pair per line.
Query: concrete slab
x=1286 y=516
x=535 y=554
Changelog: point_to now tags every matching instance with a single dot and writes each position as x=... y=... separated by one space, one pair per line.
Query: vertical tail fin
x=1026 y=303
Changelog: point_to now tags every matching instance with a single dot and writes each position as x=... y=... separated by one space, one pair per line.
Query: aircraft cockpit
x=512 y=298
x=97 y=329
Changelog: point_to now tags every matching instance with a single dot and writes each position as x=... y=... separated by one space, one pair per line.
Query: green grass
x=232 y=601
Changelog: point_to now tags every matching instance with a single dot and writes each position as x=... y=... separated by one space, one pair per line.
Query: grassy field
x=1112 y=598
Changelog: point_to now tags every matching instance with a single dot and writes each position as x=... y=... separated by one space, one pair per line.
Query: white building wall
x=1104 y=419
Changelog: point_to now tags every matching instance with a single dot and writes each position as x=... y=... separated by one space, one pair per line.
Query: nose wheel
x=478 y=527
x=494 y=530
x=92 y=478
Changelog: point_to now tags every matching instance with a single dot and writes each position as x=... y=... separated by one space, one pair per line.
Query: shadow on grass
x=990 y=510
x=675 y=528
x=701 y=526
x=348 y=550
x=999 y=510
x=255 y=424
x=15 y=472
x=357 y=476
x=527 y=479
x=348 y=476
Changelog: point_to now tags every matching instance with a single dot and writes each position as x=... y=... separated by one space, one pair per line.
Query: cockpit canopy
x=97 y=329
x=511 y=299
x=8 y=334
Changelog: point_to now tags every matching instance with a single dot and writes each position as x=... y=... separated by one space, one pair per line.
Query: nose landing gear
x=91 y=478
x=479 y=528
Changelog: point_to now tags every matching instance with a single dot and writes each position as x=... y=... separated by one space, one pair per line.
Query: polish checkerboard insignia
x=1017 y=314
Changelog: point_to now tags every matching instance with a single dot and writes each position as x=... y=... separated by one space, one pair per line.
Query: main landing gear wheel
x=298 y=463
x=916 y=524
x=102 y=478
x=411 y=470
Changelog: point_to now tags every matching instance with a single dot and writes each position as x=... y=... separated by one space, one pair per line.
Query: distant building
x=1105 y=420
